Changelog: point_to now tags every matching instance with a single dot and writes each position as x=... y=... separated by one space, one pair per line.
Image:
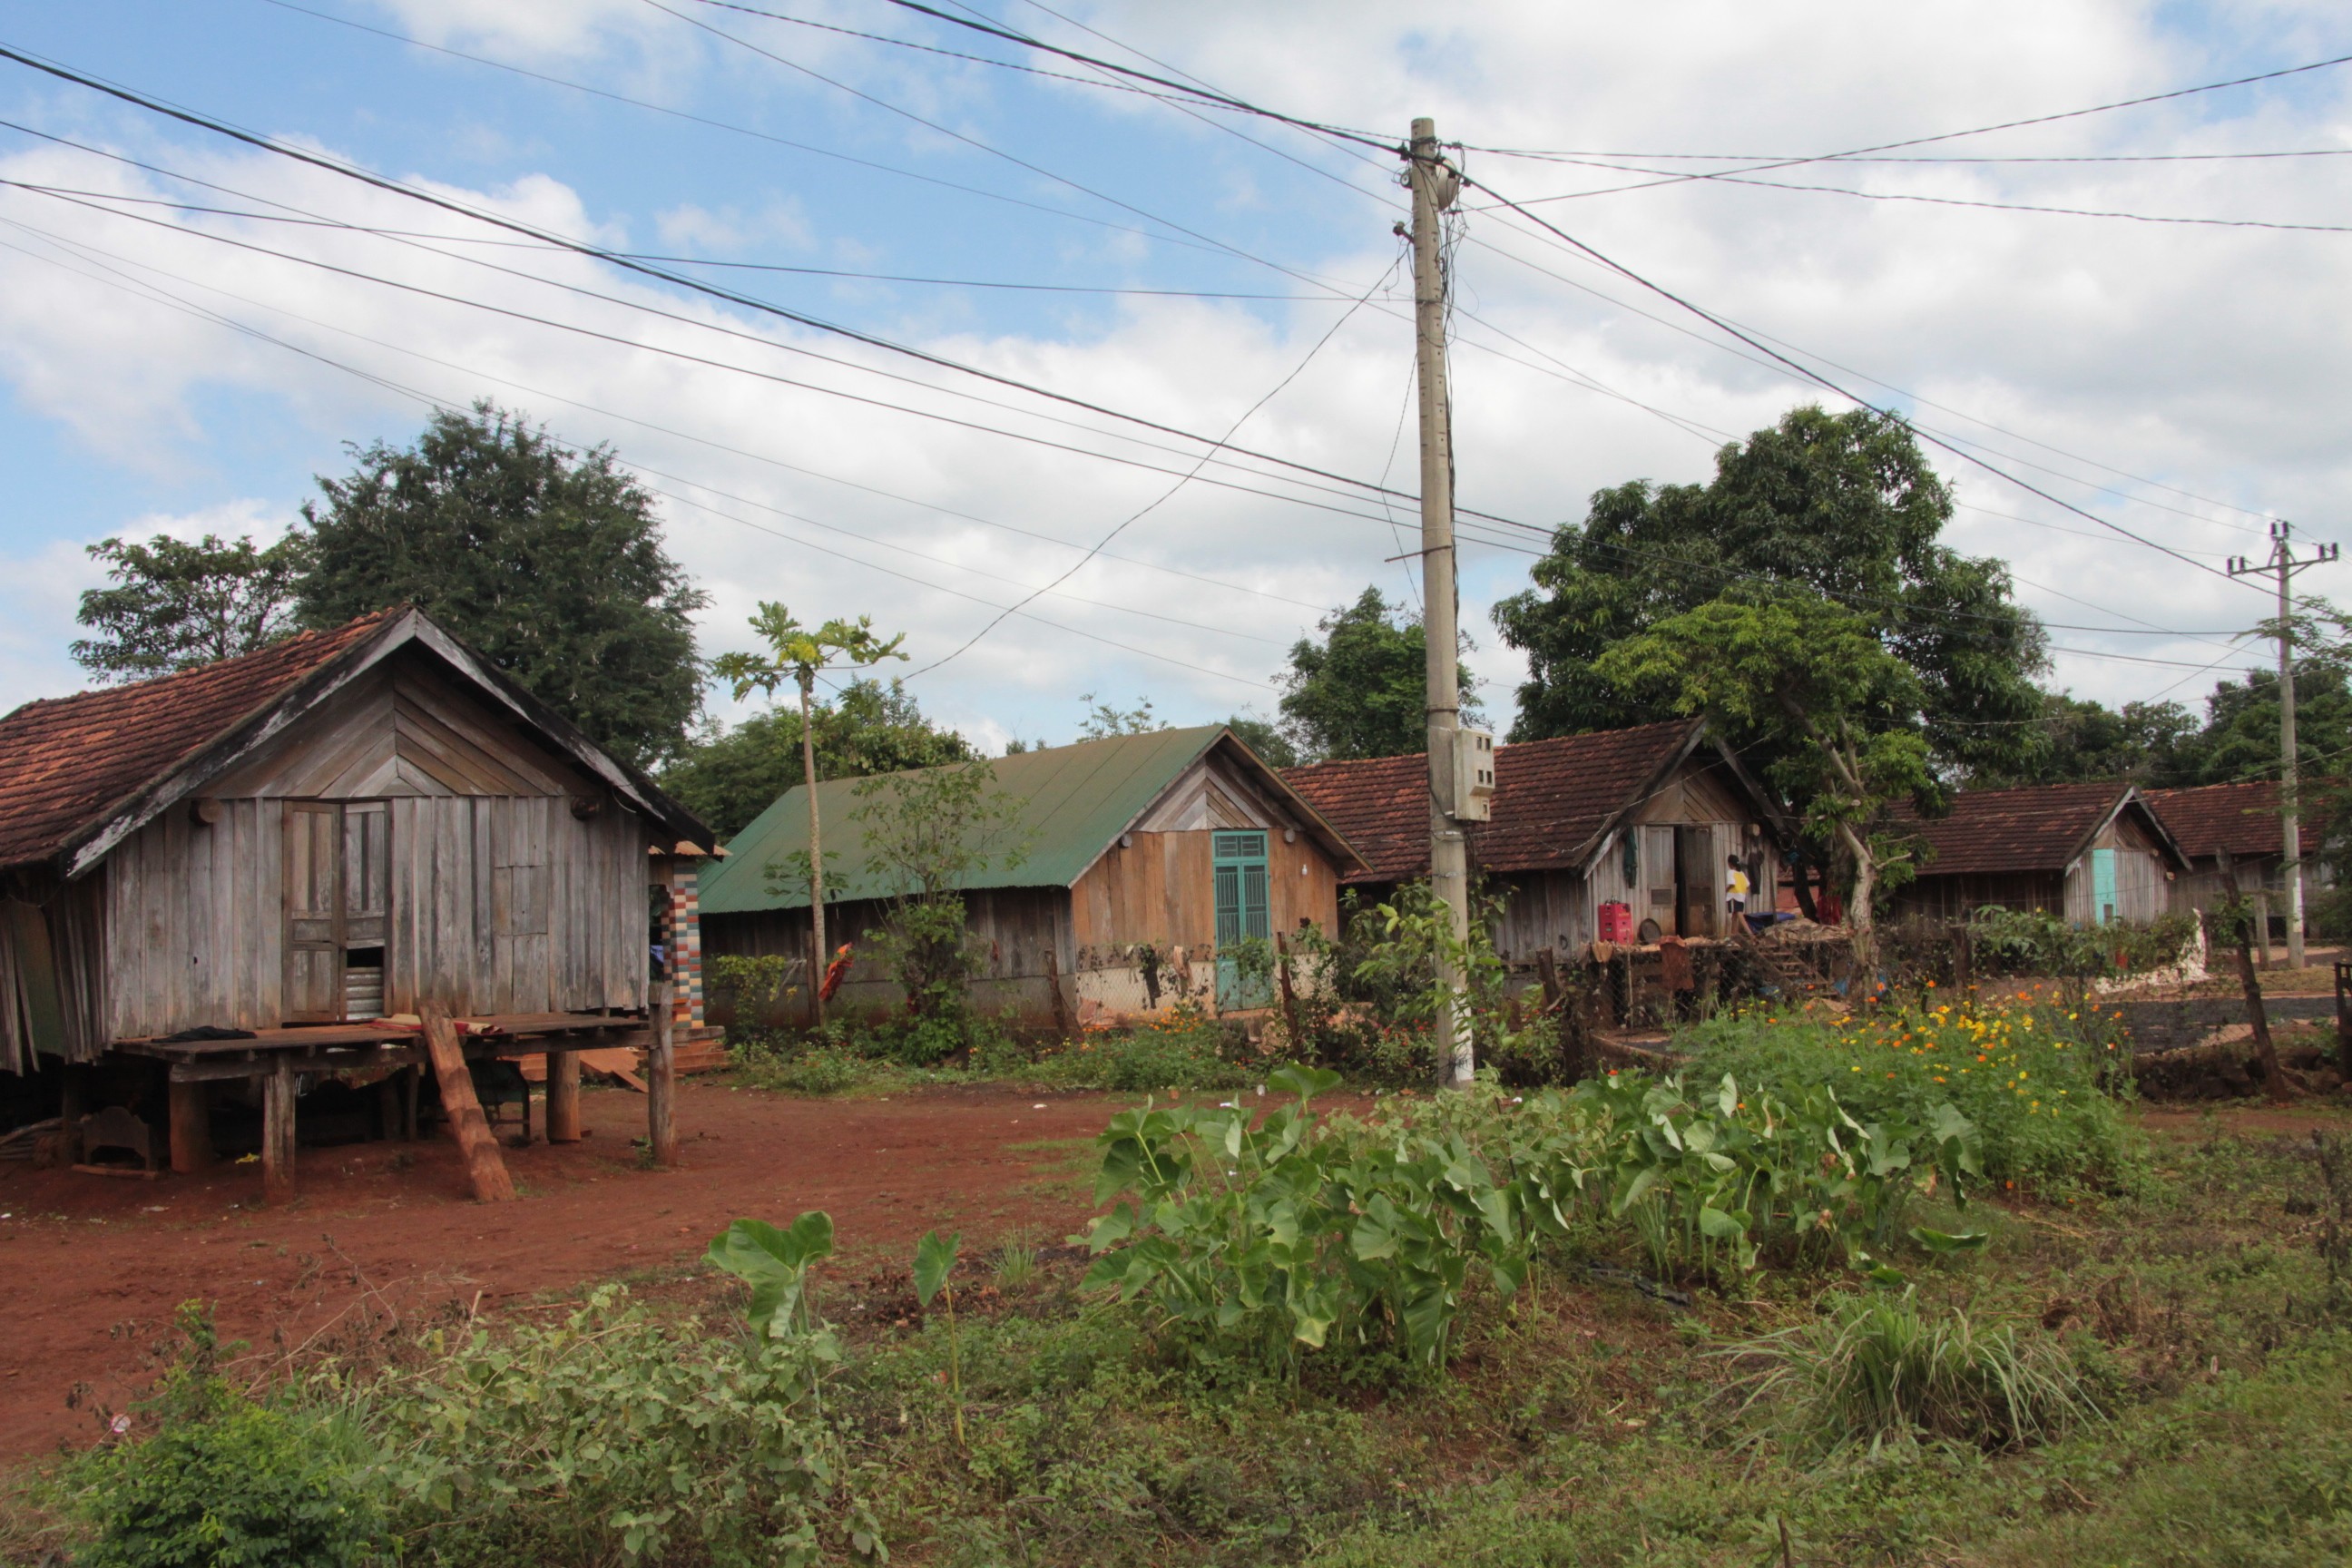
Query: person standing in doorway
x=1734 y=892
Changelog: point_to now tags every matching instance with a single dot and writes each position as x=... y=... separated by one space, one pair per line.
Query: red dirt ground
x=101 y=1263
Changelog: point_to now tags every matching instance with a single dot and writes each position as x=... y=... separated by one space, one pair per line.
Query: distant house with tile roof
x=1647 y=817
x=2089 y=852
x=344 y=824
x=1121 y=873
x=2243 y=819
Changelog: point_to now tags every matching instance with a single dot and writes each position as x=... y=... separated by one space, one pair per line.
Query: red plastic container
x=1616 y=922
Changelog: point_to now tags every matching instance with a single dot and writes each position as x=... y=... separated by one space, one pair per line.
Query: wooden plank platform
x=332 y=1048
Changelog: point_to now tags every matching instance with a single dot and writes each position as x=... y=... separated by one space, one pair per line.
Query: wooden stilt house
x=264 y=869
x=2091 y=853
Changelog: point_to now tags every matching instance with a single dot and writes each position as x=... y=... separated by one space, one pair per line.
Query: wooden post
x=486 y=1169
x=563 y=1097
x=412 y=1084
x=1547 y=971
x=278 y=1132
x=1062 y=1019
x=2273 y=1077
x=2343 y=1020
x=2262 y=926
x=192 y=1126
x=1964 y=966
x=1289 y=997
x=661 y=1083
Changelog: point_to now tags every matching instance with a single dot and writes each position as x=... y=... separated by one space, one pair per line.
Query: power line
x=1156 y=502
x=1574 y=156
x=429 y=400
x=774 y=377
x=366 y=176
x=734 y=129
x=1815 y=377
x=1734 y=179
x=1769 y=165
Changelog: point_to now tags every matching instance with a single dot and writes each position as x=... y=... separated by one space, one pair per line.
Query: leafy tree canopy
x=1273 y=747
x=1844 y=506
x=548 y=560
x=727 y=778
x=2080 y=740
x=1786 y=660
x=174 y=605
x=1362 y=689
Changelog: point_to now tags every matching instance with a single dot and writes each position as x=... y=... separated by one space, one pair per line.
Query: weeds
x=1881 y=1369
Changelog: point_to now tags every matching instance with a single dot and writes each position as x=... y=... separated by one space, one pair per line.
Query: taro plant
x=775 y=1264
x=1301 y=1234
x=935 y=1260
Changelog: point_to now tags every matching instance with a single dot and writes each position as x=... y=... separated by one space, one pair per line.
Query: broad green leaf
x=1716 y=1223
x=1305 y=1082
x=935 y=1258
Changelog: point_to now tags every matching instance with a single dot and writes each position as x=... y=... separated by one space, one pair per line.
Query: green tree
x=931 y=833
x=174 y=605
x=1363 y=689
x=796 y=653
x=1273 y=747
x=1844 y=507
x=2081 y=741
x=1105 y=720
x=548 y=560
x=1788 y=660
x=728 y=776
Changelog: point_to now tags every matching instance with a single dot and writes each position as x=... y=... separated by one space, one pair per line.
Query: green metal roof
x=1069 y=802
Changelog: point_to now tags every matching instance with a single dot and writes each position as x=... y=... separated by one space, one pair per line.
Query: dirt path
x=93 y=1268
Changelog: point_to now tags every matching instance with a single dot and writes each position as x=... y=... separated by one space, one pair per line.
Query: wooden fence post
x=486 y=1169
x=278 y=1132
x=2273 y=1077
x=1964 y=967
x=661 y=1082
x=1062 y=1020
x=192 y=1126
x=1289 y=997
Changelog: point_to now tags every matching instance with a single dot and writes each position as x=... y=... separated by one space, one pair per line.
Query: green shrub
x=2040 y=1083
x=224 y=1482
x=609 y=1436
x=1881 y=1369
x=796 y=1069
x=1183 y=1048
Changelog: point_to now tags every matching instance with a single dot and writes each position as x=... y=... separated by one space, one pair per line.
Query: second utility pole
x=2283 y=566
x=1435 y=186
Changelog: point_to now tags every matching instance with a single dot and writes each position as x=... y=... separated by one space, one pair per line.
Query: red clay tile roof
x=66 y=763
x=1552 y=798
x=2038 y=827
x=2239 y=818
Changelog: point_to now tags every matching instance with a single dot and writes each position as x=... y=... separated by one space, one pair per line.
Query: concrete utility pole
x=2282 y=565
x=1435 y=186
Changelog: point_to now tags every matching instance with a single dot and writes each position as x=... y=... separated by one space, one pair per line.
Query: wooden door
x=1653 y=912
x=314 y=912
x=338 y=909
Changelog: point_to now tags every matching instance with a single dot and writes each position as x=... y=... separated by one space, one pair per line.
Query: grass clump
x=1882 y=1368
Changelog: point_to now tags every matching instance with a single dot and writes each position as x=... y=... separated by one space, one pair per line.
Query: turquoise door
x=1238 y=864
x=2103 y=885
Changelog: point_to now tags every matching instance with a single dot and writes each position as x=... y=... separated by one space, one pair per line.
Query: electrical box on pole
x=1473 y=775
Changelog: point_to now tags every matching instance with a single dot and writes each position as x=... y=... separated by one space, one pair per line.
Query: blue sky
x=2185 y=380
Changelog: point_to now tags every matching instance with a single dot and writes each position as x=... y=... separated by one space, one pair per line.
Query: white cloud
x=2205 y=359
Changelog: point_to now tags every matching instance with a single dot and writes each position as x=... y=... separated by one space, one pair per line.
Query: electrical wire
x=356 y=172
x=163 y=297
x=1164 y=496
x=1731 y=179
x=1769 y=165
